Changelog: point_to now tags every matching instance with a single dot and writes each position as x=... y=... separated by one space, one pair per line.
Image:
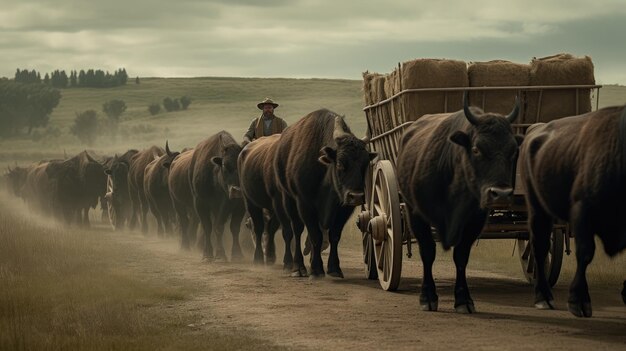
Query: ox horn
x=339 y=127
x=468 y=114
x=513 y=115
x=167 y=149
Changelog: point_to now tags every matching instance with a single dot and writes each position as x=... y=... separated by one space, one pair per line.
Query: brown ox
x=260 y=191
x=451 y=169
x=182 y=198
x=216 y=193
x=574 y=169
x=157 y=191
x=320 y=166
x=138 y=164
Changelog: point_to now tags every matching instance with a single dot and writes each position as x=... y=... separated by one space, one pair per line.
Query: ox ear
x=216 y=160
x=329 y=155
x=461 y=139
x=519 y=139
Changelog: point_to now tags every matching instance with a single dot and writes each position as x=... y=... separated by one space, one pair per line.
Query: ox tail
x=622 y=138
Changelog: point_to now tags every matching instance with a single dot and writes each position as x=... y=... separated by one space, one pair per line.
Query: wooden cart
x=382 y=219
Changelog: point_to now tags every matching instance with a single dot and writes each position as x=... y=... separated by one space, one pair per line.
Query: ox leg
x=463 y=302
x=135 y=209
x=203 y=210
x=236 y=218
x=258 y=224
x=270 y=246
x=287 y=234
x=144 y=214
x=312 y=223
x=85 y=221
x=183 y=221
x=540 y=229
x=297 y=227
x=334 y=236
x=579 y=302
x=220 y=223
x=429 y=301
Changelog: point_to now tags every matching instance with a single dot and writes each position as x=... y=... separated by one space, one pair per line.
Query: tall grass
x=66 y=289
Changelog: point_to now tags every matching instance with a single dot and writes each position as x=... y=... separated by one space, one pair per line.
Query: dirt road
x=354 y=313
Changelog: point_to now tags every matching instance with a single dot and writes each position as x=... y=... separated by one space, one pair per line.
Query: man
x=265 y=125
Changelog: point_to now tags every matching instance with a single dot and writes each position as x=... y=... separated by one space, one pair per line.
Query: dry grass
x=70 y=289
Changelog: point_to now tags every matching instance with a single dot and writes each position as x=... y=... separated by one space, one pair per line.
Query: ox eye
x=475 y=151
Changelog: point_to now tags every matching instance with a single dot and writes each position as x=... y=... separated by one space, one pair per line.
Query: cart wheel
x=385 y=225
x=554 y=259
x=363 y=219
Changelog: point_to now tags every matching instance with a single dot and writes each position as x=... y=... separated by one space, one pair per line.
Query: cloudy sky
x=302 y=38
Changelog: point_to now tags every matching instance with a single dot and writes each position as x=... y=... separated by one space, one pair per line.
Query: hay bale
x=560 y=69
x=497 y=73
x=433 y=73
x=368 y=92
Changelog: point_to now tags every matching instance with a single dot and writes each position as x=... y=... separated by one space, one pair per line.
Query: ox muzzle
x=498 y=197
x=234 y=192
x=354 y=198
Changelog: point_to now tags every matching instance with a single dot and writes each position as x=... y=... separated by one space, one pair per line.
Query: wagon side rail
x=388 y=114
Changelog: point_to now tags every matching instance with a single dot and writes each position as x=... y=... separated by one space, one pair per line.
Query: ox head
x=228 y=170
x=347 y=164
x=491 y=153
x=169 y=156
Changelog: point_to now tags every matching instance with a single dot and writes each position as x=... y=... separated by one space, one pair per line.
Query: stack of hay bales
x=368 y=90
x=497 y=73
x=561 y=69
x=433 y=73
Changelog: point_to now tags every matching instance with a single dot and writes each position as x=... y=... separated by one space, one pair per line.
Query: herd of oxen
x=451 y=169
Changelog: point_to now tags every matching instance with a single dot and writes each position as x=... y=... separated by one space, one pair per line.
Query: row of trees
x=25 y=106
x=89 y=79
x=170 y=105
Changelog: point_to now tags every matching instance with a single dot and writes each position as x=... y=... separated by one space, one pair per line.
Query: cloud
x=299 y=38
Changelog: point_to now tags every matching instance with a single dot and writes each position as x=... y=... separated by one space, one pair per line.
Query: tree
x=114 y=109
x=25 y=106
x=46 y=79
x=85 y=127
x=185 y=101
x=171 y=104
x=154 y=109
x=137 y=80
x=73 y=79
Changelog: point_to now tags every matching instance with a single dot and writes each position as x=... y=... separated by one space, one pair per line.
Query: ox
x=320 y=168
x=574 y=169
x=136 y=171
x=118 y=194
x=451 y=169
x=157 y=190
x=216 y=194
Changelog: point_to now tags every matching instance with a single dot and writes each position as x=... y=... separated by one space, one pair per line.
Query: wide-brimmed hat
x=266 y=102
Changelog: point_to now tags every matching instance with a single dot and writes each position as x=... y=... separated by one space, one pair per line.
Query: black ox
x=451 y=169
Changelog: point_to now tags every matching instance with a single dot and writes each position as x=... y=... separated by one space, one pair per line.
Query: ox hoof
x=270 y=261
x=208 y=259
x=430 y=306
x=337 y=274
x=580 y=309
x=465 y=309
x=317 y=276
x=300 y=273
x=545 y=305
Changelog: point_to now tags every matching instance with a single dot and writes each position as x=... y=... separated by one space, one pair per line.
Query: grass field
x=68 y=289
